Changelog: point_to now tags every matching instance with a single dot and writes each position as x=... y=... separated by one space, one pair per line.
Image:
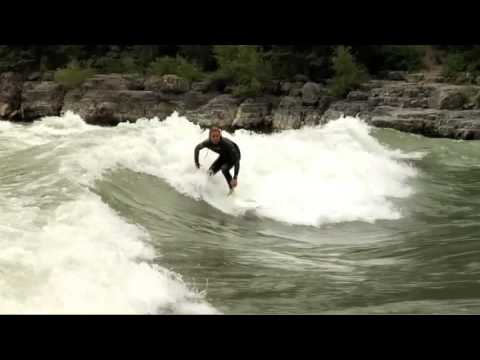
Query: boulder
x=168 y=84
x=252 y=114
x=113 y=82
x=109 y=107
x=468 y=134
x=417 y=77
x=396 y=75
x=289 y=114
x=285 y=87
x=415 y=126
x=40 y=99
x=357 y=95
x=449 y=98
x=300 y=78
x=202 y=86
x=273 y=87
x=192 y=100
x=312 y=117
x=462 y=124
x=10 y=95
x=34 y=76
x=310 y=93
x=295 y=92
x=476 y=101
x=48 y=76
x=346 y=108
x=220 y=111
x=405 y=95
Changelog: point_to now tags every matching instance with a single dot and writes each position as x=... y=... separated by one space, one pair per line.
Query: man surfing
x=229 y=156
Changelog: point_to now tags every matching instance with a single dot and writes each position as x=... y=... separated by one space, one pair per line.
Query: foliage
x=73 y=75
x=244 y=66
x=348 y=74
x=176 y=66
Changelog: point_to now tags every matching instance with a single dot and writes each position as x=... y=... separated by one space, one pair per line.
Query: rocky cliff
x=403 y=102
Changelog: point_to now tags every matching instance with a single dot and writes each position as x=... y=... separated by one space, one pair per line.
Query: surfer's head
x=215 y=135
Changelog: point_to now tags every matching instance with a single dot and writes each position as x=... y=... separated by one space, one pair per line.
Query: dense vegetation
x=245 y=70
x=462 y=63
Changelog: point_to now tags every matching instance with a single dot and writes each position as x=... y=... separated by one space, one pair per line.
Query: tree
x=348 y=74
x=244 y=66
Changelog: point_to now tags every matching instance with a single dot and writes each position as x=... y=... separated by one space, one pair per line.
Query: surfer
x=229 y=156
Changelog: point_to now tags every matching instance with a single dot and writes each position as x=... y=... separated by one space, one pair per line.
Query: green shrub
x=348 y=75
x=202 y=55
x=454 y=64
x=176 y=66
x=126 y=64
x=188 y=70
x=163 y=65
x=14 y=58
x=404 y=58
x=244 y=66
x=73 y=75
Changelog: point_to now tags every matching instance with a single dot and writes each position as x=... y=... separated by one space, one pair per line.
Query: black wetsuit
x=229 y=157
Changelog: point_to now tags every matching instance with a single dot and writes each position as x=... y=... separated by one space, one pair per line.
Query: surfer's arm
x=197 y=151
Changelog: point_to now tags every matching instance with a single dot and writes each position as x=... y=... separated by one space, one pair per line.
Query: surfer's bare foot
x=230 y=192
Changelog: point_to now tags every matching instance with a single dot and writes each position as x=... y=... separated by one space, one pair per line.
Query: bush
x=188 y=70
x=16 y=59
x=163 y=65
x=286 y=63
x=378 y=59
x=462 y=64
x=202 y=55
x=73 y=75
x=348 y=75
x=245 y=67
x=454 y=64
x=403 y=58
x=121 y=65
x=176 y=66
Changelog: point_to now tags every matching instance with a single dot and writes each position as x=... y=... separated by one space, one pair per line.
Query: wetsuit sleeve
x=197 y=150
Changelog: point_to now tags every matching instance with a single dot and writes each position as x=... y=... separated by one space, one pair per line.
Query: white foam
x=63 y=249
x=69 y=124
x=311 y=176
x=86 y=259
x=43 y=131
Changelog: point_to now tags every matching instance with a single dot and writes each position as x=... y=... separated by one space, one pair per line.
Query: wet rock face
x=10 y=95
x=413 y=105
x=167 y=84
x=252 y=114
x=41 y=99
x=113 y=82
x=221 y=111
x=310 y=93
x=110 y=107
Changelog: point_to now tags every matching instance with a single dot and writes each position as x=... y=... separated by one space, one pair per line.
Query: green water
x=81 y=204
x=426 y=262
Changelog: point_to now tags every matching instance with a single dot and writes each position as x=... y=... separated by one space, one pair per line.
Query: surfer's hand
x=233 y=183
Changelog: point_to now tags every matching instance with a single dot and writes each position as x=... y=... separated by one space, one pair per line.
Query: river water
x=335 y=219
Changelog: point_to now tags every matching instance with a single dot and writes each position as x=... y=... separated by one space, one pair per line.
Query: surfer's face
x=215 y=137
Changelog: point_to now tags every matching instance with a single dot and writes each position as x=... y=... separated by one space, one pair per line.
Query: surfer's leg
x=216 y=165
x=226 y=172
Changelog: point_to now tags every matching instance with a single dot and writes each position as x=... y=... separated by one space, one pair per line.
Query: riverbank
x=409 y=103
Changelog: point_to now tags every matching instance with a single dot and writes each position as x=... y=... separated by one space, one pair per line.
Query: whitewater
x=119 y=220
